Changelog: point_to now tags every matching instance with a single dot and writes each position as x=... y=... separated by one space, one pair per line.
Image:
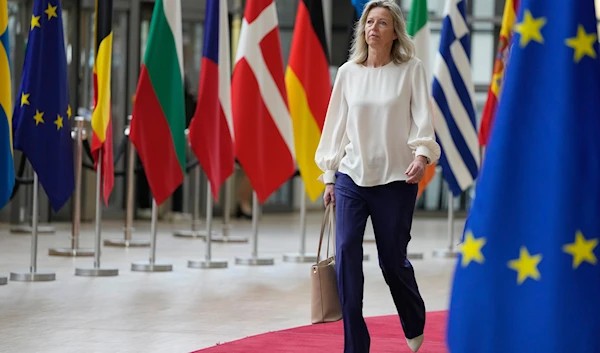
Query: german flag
x=101 y=118
x=308 y=87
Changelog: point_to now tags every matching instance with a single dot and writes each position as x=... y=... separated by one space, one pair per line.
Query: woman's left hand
x=416 y=170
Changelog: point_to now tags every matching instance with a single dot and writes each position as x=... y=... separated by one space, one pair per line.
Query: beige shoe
x=415 y=343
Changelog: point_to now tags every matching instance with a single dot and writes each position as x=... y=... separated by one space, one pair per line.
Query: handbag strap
x=328 y=219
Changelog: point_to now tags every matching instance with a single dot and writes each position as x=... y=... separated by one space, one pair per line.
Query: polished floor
x=185 y=309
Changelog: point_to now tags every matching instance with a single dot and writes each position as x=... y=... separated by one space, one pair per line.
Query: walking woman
x=377 y=139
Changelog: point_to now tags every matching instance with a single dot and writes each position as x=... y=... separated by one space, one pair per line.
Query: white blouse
x=378 y=120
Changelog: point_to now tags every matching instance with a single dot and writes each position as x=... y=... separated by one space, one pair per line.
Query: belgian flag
x=309 y=88
x=102 y=117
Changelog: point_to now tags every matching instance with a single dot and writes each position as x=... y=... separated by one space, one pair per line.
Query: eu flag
x=41 y=119
x=528 y=278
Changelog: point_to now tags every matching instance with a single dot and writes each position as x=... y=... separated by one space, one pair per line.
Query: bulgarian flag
x=158 y=118
x=418 y=29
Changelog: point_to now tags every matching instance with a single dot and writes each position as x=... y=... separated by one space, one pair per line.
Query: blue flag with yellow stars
x=41 y=120
x=528 y=278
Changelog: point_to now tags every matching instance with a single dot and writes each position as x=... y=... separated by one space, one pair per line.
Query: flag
x=357 y=10
x=418 y=28
x=528 y=277
x=102 y=115
x=211 y=128
x=495 y=90
x=453 y=101
x=41 y=119
x=264 y=141
x=158 y=117
x=7 y=175
x=308 y=86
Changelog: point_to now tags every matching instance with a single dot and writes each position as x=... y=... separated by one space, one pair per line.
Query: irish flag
x=418 y=28
x=158 y=121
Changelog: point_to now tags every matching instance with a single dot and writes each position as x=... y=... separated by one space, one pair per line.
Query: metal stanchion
x=33 y=275
x=449 y=252
x=96 y=271
x=194 y=232
x=151 y=265
x=127 y=240
x=225 y=236
x=208 y=262
x=302 y=256
x=78 y=134
x=254 y=260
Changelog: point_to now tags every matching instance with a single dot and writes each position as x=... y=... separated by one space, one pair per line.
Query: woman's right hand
x=329 y=194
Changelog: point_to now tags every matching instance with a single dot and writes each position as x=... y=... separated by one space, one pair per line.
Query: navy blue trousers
x=391 y=209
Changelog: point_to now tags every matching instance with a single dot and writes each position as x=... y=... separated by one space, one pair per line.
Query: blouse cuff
x=425 y=152
x=328 y=177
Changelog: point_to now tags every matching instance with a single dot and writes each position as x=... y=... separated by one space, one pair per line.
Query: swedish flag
x=41 y=120
x=7 y=168
x=528 y=277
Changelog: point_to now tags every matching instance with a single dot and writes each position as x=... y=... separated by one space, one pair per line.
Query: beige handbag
x=325 y=301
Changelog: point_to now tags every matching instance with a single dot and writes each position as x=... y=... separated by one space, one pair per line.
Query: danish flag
x=263 y=133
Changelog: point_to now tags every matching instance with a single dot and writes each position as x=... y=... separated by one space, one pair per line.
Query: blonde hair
x=403 y=48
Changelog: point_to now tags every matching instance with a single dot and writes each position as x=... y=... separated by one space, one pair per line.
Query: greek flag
x=453 y=105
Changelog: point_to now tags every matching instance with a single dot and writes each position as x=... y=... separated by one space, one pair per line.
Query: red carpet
x=386 y=336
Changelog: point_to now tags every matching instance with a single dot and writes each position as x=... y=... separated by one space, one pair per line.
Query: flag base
x=96 y=272
x=127 y=243
x=194 y=234
x=222 y=238
x=445 y=253
x=300 y=258
x=145 y=266
x=32 y=276
x=25 y=229
x=255 y=261
x=68 y=252
x=415 y=256
x=206 y=264
x=3 y=281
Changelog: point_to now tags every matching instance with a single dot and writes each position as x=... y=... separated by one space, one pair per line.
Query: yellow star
x=530 y=29
x=58 y=122
x=471 y=249
x=51 y=11
x=581 y=249
x=583 y=44
x=35 y=22
x=526 y=266
x=24 y=99
x=69 y=113
x=38 y=117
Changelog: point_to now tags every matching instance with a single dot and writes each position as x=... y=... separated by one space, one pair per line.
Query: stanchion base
x=254 y=261
x=145 y=266
x=194 y=234
x=131 y=243
x=445 y=253
x=221 y=238
x=3 y=281
x=32 y=277
x=365 y=257
x=297 y=257
x=369 y=240
x=415 y=256
x=96 y=272
x=25 y=229
x=207 y=264
x=71 y=252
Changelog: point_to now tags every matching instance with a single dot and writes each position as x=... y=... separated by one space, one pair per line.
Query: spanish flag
x=491 y=105
x=308 y=87
x=101 y=118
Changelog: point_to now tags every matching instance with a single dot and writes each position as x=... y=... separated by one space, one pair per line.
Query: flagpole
x=194 y=232
x=254 y=260
x=225 y=236
x=449 y=252
x=301 y=256
x=208 y=262
x=128 y=229
x=96 y=271
x=78 y=134
x=33 y=275
x=151 y=265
